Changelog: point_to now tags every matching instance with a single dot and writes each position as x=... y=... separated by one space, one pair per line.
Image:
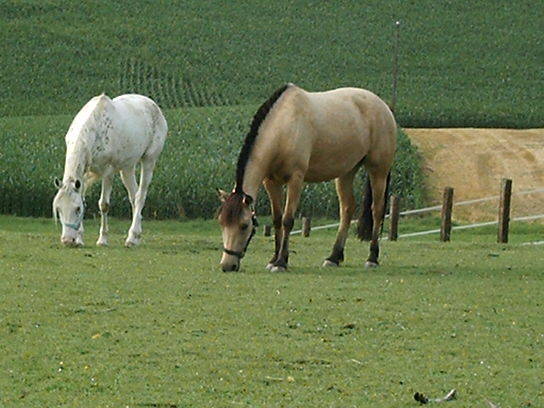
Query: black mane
x=258 y=119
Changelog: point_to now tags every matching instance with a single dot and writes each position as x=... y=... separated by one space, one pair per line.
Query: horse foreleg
x=135 y=231
x=378 y=181
x=344 y=189
x=274 y=192
x=294 y=188
x=104 y=205
x=79 y=236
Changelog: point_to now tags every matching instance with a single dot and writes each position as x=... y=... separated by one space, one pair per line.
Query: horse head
x=68 y=205
x=238 y=223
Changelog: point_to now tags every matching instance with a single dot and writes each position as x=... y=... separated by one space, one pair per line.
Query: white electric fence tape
x=438 y=207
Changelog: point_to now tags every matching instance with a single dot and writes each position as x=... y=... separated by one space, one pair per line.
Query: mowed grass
x=161 y=326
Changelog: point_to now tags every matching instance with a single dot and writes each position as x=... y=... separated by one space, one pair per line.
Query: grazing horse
x=107 y=136
x=299 y=136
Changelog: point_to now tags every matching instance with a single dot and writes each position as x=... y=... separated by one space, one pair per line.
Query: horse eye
x=243 y=227
x=78 y=209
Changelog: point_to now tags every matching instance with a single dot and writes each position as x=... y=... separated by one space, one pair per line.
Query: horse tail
x=386 y=198
x=365 y=224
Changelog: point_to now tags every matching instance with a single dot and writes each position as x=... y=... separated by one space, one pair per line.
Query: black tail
x=364 y=226
x=386 y=198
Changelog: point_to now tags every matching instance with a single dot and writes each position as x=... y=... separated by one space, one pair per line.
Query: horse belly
x=334 y=158
x=325 y=171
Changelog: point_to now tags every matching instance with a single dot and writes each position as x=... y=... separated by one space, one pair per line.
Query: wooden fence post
x=306 y=226
x=394 y=218
x=267 y=230
x=504 y=210
x=447 y=204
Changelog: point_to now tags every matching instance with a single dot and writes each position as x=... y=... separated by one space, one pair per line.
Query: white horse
x=107 y=136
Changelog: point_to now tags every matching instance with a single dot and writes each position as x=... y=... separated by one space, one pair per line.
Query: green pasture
x=199 y=156
x=161 y=326
x=463 y=63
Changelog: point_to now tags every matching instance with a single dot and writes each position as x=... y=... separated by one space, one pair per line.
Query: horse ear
x=77 y=184
x=222 y=195
x=58 y=183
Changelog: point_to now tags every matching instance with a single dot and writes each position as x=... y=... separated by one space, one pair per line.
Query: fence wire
x=438 y=207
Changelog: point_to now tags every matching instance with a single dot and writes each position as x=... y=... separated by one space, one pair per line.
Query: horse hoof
x=269 y=266
x=131 y=243
x=278 y=269
x=370 y=265
x=328 y=264
x=102 y=242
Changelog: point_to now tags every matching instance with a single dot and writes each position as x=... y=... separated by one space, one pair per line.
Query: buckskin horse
x=298 y=136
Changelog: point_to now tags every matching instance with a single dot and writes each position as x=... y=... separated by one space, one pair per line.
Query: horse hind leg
x=364 y=225
x=344 y=189
x=378 y=180
x=146 y=175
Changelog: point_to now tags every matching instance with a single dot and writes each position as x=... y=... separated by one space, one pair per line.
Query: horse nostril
x=68 y=241
x=230 y=268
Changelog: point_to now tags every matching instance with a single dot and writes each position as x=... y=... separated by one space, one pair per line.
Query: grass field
x=161 y=326
x=463 y=63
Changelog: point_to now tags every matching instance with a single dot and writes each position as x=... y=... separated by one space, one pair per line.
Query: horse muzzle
x=71 y=238
x=229 y=262
x=70 y=242
x=235 y=267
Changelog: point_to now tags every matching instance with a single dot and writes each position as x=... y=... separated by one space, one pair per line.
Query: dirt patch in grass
x=473 y=161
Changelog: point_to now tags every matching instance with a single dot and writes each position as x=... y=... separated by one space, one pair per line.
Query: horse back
x=332 y=132
x=139 y=122
x=127 y=129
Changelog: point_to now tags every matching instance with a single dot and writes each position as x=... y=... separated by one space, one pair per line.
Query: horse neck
x=257 y=166
x=253 y=179
x=263 y=152
x=81 y=137
x=78 y=154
